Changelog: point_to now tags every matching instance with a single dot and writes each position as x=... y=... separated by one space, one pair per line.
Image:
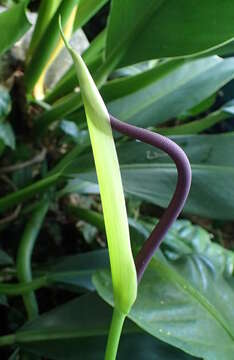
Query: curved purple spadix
x=180 y=195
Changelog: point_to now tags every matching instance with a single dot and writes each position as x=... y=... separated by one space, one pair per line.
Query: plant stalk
x=24 y=255
x=114 y=334
x=23 y=288
x=7 y=340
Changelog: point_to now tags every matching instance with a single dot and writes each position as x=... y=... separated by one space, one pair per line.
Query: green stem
x=66 y=160
x=7 y=340
x=23 y=288
x=28 y=192
x=114 y=334
x=90 y=216
x=24 y=255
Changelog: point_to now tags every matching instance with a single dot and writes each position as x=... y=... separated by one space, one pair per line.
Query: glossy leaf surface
x=142 y=30
x=187 y=301
x=80 y=328
x=166 y=91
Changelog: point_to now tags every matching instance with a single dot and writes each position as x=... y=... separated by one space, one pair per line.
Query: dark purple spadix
x=180 y=195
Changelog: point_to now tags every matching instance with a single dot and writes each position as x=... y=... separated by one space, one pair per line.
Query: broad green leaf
x=142 y=30
x=13 y=25
x=79 y=329
x=149 y=174
x=77 y=270
x=185 y=239
x=112 y=196
x=185 y=302
x=141 y=346
x=166 y=91
x=215 y=150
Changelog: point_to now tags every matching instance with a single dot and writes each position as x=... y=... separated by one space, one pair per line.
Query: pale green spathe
x=123 y=269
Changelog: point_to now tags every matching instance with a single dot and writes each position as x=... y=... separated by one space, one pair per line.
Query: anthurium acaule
x=123 y=269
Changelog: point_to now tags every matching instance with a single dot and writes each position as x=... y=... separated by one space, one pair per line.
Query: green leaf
x=45 y=14
x=185 y=239
x=198 y=126
x=142 y=30
x=6 y=135
x=79 y=328
x=13 y=25
x=87 y=9
x=185 y=302
x=77 y=270
x=166 y=91
x=148 y=174
x=202 y=107
x=113 y=202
